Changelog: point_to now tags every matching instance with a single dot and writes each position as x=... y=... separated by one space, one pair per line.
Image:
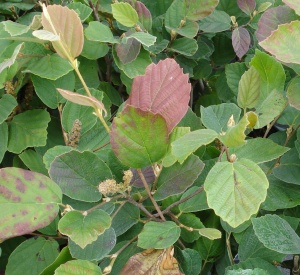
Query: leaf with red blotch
x=271 y=19
x=144 y=15
x=247 y=6
x=240 y=41
x=164 y=90
x=65 y=23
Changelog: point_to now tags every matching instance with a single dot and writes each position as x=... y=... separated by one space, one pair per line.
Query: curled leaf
x=82 y=99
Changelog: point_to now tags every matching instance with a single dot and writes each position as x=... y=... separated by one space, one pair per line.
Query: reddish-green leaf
x=240 y=41
x=164 y=90
x=127 y=52
x=66 y=24
x=293 y=93
x=144 y=15
x=284 y=43
x=270 y=20
x=294 y=4
x=28 y=200
x=139 y=138
x=247 y=6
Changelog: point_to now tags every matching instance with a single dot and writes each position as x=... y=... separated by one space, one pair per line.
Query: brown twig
x=95 y=10
x=149 y=194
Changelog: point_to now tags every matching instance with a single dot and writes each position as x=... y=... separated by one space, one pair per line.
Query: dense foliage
x=149 y=137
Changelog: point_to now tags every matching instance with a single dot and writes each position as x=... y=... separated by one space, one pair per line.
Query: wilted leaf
x=247 y=6
x=177 y=178
x=164 y=90
x=84 y=229
x=152 y=262
x=45 y=35
x=67 y=25
x=271 y=19
x=284 y=42
x=29 y=201
x=82 y=100
x=293 y=93
x=241 y=41
x=276 y=234
x=125 y=14
x=139 y=138
x=158 y=235
x=244 y=187
x=249 y=89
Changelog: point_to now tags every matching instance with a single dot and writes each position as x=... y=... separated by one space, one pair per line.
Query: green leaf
x=79 y=174
x=210 y=233
x=276 y=234
x=29 y=201
x=244 y=187
x=259 y=150
x=197 y=10
x=184 y=46
x=218 y=21
x=84 y=228
x=31 y=126
x=158 y=235
x=139 y=138
x=125 y=14
x=271 y=72
x=288 y=169
x=91 y=252
x=189 y=143
x=143 y=37
x=234 y=72
x=125 y=218
x=94 y=50
x=189 y=260
x=137 y=66
x=54 y=152
x=78 y=267
x=235 y=135
x=7 y=104
x=194 y=204
x=82 y=10
x=33 y=161
x=15 y=29
x=283 y=42
x=50 y=67
x=216 y=117
x=177 y=178
x=46 y=89
x=281 y=195
x=99 y=32
x=3 y=139
x=192 y=221
x=32 y=256
x=63 y=257
x=269 y=108
x=255 y=271
x=293 y=94
x=249 y=89
x=10 y=61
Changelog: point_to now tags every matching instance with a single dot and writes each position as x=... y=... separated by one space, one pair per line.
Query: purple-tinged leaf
x=139 y=138
x=144 y=15
x=284 y=43
x=164 y=90
x=136 y=179
x=129 y=51
x=294 y=4
x=240 y=41
x=270 y=20
x=29 y=201
x=198 y=9
x=247 y=6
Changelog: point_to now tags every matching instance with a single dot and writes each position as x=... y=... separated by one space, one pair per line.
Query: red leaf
x=164 y=90
x=247 y=6
x=270 y=20
x=240 y=41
